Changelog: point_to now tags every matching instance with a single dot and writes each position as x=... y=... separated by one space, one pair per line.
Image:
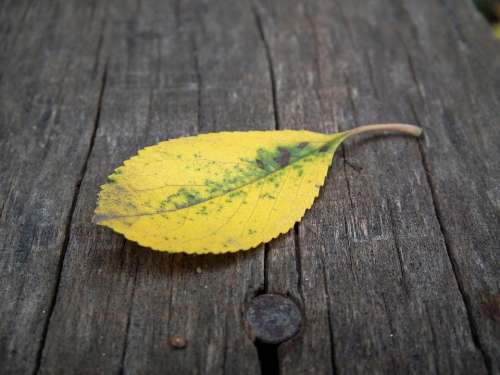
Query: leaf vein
x=263 y=177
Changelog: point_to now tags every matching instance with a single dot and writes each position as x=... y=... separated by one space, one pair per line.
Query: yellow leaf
x=220 y=192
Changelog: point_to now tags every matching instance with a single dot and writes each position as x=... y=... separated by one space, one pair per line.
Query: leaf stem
x=380 y=128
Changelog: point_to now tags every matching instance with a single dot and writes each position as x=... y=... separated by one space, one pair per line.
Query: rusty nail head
x=272 y=318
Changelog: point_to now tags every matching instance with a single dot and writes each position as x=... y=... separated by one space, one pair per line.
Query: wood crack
x=474 y=330
x=347 y=182
x=99 y=49
x=371 y=75
x=171 y=264
x=266 y=267
x=397 y=245
x=268 y=356
x=316 y=59
x=199 y=84
x=270 y=64
x=434 y=339
x=129 y=314
x=225 y=347
x=298 y=261
x=346 y=177
x=69 y=220
x=331 y=337
x=412 y=68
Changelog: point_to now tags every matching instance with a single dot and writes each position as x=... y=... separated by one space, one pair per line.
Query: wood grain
x=395 y=268
x=49 y=93
x=394 y=282
x=118 y=302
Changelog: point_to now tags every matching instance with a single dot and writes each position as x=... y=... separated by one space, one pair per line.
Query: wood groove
x=67 y=232
x=472 y=324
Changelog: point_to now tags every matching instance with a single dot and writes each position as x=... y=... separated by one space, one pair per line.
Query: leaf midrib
x=234 y=189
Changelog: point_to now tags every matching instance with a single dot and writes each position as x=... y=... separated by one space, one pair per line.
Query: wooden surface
x=396 y=266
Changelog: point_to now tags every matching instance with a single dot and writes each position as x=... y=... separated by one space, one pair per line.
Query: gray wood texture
x=396 y=266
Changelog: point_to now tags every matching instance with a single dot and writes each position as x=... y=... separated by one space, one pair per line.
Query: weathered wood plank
x=461 y=108
x=373 y=261
x=174 y=69
x=12 y=17
x=48 y=101
x=395 y=267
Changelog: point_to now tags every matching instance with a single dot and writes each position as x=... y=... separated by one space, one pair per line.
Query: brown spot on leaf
x=283 y=158
x=324 y=148
x=260 y=163
x=302 y=145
